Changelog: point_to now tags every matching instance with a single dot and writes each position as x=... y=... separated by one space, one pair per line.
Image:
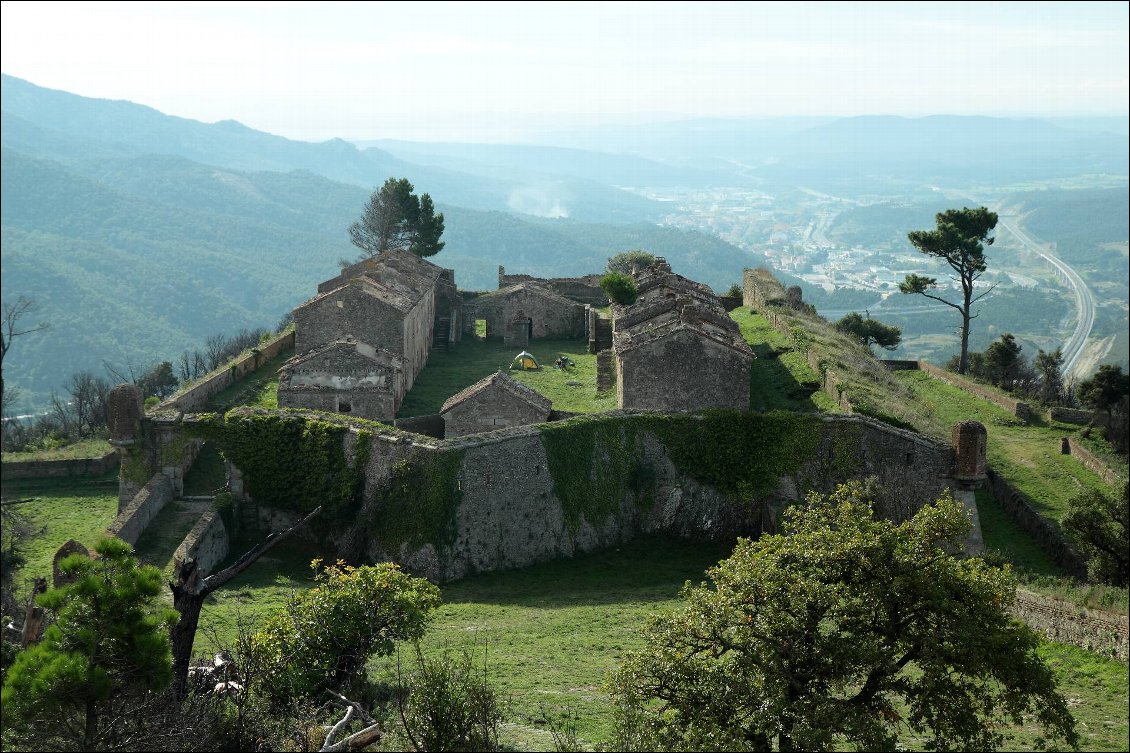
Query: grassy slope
x=1026 y=454
x=778 y=372
x=68 y=508
x=87 y=448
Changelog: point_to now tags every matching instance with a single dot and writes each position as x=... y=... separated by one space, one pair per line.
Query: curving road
x=1084 y=300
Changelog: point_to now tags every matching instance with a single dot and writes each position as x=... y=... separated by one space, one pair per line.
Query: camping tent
x=525 y=361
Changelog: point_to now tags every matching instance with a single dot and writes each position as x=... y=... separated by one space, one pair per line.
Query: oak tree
x=846 y=631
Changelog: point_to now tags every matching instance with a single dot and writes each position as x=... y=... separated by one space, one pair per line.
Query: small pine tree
x=109 y=643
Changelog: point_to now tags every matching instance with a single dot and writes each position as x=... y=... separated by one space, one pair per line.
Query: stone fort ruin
x=494 y=481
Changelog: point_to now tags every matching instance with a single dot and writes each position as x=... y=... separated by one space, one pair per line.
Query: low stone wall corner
x=142 y=509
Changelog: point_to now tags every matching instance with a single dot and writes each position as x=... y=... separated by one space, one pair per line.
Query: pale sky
x=470 y=71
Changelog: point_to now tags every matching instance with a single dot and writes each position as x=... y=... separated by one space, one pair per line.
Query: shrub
x=451 y=706
x=620 y=288
x=323 y=637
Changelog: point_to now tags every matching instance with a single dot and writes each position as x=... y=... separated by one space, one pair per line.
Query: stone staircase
x=441 y=334
x=603 y=334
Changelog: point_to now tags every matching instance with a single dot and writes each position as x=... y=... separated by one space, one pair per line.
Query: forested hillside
x=133 y=259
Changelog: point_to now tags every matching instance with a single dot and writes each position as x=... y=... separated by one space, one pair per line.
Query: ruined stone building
x=492 y=403
x=525 y=311
x=676 y=349
x=345 y=376
x=395 y=303
x=585 y=289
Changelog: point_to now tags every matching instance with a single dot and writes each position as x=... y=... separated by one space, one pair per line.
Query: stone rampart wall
x=1045 y=533
x=1096 y=630
x=509 y=514
x=61 y=468
x=197 y=396
x=1092 y=461
x=207 y=543
x=142 y=509
x=1017 y=408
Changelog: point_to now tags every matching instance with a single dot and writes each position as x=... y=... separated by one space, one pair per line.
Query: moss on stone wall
x=739 y=453
x=594 y=462
x=591 y=462
x=417 y=503
x=135 y=465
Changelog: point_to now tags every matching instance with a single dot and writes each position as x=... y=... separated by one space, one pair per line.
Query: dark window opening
x=344 y=407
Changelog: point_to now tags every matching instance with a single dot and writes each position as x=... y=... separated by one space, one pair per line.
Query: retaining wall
x=61 y=468
x=1017 y=408
x=1097 y=630
x=1089 y=459
x=1045 y=533
x=142 y=509
x=196 y=397
x=207 y=543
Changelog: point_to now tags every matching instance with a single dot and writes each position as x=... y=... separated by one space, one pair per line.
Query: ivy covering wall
x=294 y=461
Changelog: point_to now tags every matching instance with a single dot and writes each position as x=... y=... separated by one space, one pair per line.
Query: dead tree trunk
x=190 y=591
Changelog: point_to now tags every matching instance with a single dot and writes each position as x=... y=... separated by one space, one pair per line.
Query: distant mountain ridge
x=135 y=255
x=117 y=128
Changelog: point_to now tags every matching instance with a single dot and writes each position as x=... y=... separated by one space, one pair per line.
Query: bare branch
x=212 y=582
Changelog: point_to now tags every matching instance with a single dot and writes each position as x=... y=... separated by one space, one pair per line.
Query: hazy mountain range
x=139 y=234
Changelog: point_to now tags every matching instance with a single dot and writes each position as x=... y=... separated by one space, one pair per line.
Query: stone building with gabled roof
x=395 y=301
x=543 y=313
x=345 y=376
x=492 y=403
x=676 y=349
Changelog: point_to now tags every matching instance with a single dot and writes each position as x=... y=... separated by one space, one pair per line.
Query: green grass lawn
x=448 y=372
x=551 y=633
x=87 y=448
x=62 y=509
x=1027 y=455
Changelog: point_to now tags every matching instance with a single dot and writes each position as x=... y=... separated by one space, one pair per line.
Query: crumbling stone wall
x=583 y=290
x=1090 y=460
x=1018 y=408
x=207 y=543
x=142 y=509
x=196 y=397
x=61 y=468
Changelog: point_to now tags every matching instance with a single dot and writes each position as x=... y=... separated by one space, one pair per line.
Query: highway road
x=1084 y=300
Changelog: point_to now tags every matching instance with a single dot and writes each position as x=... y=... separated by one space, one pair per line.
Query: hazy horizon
x=490 y=72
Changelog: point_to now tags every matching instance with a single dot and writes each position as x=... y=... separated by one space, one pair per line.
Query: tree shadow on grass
x=648 y=569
